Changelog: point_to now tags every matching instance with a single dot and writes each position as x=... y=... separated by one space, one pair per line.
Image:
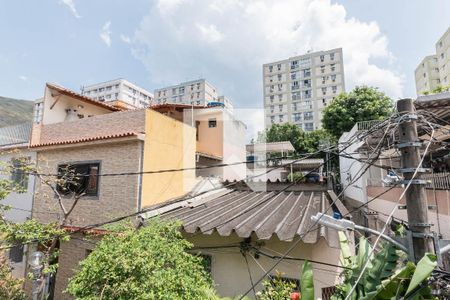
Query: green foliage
x=149 y=263
x=362 y=104
x=296 y=177
x=10 y=287
x=303 y=142
x=437 y=90
x=276 y=289
x=384 y=277
x=307 y=282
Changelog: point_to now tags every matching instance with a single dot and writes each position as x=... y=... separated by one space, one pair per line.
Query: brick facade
x=117 y=195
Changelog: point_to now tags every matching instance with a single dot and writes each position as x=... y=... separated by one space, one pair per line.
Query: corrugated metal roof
x=270 y=147
x=284 y=214
x=17 y=134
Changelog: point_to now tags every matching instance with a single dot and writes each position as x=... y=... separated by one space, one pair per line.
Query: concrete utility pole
x=416 y=197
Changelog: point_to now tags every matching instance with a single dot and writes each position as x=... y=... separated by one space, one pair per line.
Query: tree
x=362 y=104
x=10 y=287
x=148 y=263
x=437 y=90
x=303 y=142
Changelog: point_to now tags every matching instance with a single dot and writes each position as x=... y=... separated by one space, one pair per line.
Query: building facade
x=434 y=70
x=119 y=89
x=297 y=89
x=197 y=92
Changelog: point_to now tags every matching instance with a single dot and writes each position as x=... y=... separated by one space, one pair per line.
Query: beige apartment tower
x=434 y=70
x=297 y=89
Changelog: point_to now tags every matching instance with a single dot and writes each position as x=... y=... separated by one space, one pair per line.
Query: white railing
x=366 y=125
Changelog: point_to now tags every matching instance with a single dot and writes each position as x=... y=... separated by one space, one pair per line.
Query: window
x=280 y=118
x=279 y=77
x=19 y=176
x=16 y=253
x=296 y=96
x=294 y=106
x=324 y=78
x=271 y=98
x=108 y=96
x=297 y=117
x=272 y=109
x=116 y=86
x=198 y=86
x=108 y=88
x=212 y=123
x=322 y=69
x=181 y=89
x=280 y=97
x=197 y=128
x=198 y=94
x=79 y=178
x=279 y=67
x=101 y=90
x=159 y=93
x=271 y=78
x=294 y=64
x=306 y=72
x=38 y=110
x=192 y=87
x=174 y=91
x=272 y=119
x=324 y=90
x=331 y=56
x=271 y=88
x=307 y=83
x=293 y=76
x=295 y=85
x=116 y=95
x=88 y=92
x=280 y=107
x=308 y=115
x=333 y=67
x=309 y=126
x=442 y=55
x=334 y=89
x=424 y=75
x=333 y=77
x=270 y=69
x=307 y=94
x=322 y=58
x=280 y=86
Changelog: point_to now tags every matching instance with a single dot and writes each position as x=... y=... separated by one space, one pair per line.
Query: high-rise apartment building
x=434 y=70
x=196 y=92
x=297 y=89
x=119 y=89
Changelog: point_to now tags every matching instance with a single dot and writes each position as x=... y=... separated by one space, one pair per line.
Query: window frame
x=212 y=123
x=97 y=163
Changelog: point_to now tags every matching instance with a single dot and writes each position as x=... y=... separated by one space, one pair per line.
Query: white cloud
x=71 y=5
x=228 y=41
x=23 y=77
x=105 y=33
x=126 y=39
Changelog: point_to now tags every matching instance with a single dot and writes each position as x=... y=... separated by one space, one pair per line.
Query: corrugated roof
x=270 y=147
x=284 y=214
x=83 y=98
x=17 y=134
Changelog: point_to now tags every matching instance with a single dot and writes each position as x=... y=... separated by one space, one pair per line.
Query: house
x=238 y=230
x=119 y=154
x=375 y=187
x=14 y=153
x=220 y=138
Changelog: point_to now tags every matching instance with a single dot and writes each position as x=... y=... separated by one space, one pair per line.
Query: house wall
x=117 y=196
x=55 y=108
x=210 y=140
x=169 y=144
x=234 y=133
x=229 y=269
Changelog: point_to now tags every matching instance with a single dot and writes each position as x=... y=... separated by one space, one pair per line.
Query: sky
x=156 y=43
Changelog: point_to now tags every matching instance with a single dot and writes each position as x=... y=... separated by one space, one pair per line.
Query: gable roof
x=80 y=97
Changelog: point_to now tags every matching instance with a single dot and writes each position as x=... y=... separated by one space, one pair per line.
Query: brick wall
x=117 y=195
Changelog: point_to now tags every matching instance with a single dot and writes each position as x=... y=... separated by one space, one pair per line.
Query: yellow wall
x=169 y=144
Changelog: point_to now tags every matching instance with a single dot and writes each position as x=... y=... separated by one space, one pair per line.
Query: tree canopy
x=149 y=263
x=303 y=141
x=363 y=103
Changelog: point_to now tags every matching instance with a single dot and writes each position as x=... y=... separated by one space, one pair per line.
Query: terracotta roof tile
x=87 y=139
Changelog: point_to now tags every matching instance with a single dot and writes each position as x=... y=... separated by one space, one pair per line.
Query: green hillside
x=15 y=111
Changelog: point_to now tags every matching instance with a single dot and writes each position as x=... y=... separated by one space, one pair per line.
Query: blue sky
x=157 y=43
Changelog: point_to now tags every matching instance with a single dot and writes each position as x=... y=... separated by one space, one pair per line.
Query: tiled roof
x=17 y=134
x=87 y=139
x=169 y=105
x=284 y=214
x=83 y=98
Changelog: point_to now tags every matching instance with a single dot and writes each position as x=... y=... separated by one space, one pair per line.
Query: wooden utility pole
x=416 y=197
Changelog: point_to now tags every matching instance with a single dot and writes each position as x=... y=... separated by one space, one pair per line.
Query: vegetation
x=296 y=177
x=276 y=289
x=361 y=104
x=149 y=263
x=387 y=275
x=10 y=287
x=437 y=90
x=15 y=111
x=303 y=142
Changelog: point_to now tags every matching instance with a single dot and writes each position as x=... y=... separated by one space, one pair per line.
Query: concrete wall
x=229 y=269
x=117 y=195
x=234 y=133
x=169 y=144
x=55 y=108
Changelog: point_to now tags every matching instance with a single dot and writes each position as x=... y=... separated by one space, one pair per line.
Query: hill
x=15 y=111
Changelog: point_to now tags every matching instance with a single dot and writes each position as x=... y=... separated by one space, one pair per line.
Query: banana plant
x=384 y=277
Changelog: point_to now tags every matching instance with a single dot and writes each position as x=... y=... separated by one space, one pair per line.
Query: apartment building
x=118 y=90
x=197 y=92
x=297 y=89
x=434 y=70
